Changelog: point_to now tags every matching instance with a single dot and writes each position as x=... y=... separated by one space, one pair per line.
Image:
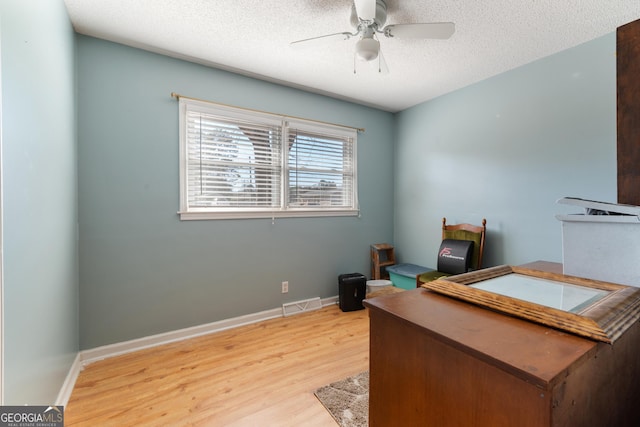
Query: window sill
x=198 y=216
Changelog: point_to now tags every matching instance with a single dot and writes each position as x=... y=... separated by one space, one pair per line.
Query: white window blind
x=243 y=164
x=320 y=170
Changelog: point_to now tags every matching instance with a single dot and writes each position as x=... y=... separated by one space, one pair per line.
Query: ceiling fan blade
x=321 y=41
x=435 y=30
x=366 y=9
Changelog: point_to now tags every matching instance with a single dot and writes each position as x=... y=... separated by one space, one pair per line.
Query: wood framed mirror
x=594 y=309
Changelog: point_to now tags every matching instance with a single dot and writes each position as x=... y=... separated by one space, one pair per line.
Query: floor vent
x=301 y=306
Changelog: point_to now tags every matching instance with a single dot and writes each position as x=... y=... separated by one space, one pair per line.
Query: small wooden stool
x=382 y=255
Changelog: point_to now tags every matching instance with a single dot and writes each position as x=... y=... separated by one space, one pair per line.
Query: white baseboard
x=111 y=350
x=69 y=382
x=117 y=349
x=86 y=357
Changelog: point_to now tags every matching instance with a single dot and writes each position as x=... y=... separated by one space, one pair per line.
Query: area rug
x=347 y=400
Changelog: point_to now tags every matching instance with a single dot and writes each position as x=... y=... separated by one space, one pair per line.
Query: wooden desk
x=436 y=361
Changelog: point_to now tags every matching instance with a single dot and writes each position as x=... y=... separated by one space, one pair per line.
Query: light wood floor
x=257 y=375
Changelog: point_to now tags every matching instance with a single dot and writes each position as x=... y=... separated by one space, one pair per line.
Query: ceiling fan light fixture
x=367 y=49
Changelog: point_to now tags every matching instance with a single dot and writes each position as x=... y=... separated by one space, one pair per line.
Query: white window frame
x=287 y=125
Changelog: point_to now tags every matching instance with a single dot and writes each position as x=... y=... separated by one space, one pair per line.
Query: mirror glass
x=550 y=293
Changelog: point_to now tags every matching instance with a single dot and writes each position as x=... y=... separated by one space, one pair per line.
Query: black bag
x=454 y=256
x=352 y=288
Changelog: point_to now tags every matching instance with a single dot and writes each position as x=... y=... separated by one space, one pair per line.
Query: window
x=237 y=163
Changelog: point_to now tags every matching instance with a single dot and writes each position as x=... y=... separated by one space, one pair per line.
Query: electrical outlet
x=285 y=287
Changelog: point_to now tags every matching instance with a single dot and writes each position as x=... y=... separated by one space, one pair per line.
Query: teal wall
x=40 y=259
x=506 y=149
x=142 y=270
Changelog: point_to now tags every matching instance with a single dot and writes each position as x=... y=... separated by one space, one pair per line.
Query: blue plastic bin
x=404 y=275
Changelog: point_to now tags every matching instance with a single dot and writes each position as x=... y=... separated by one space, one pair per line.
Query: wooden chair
x=474 y=233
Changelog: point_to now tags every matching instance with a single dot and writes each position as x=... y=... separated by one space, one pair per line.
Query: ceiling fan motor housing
x=378 y=21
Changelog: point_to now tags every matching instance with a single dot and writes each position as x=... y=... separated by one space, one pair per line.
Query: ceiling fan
x=368 y=17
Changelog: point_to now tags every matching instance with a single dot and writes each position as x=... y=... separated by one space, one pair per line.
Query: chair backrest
x=455 y=256
x=475 y=233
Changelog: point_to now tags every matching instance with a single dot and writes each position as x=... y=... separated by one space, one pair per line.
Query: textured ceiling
x=252 y=37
